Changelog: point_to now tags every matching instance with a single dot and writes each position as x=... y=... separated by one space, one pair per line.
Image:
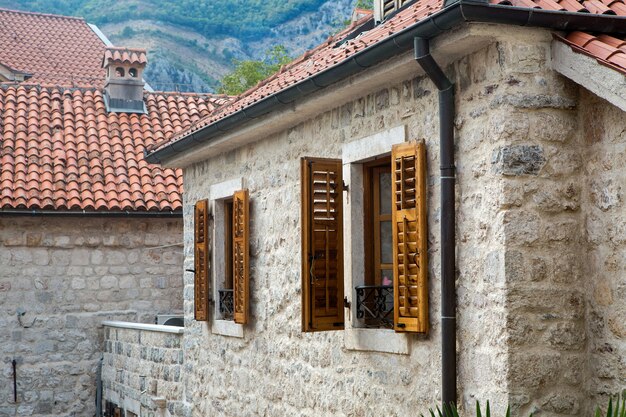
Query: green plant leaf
x=488 y=412
x=455 y=412
x=508 y=411
x=478 y=413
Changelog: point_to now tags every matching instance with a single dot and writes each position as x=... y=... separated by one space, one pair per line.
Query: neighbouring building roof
x=343 y=47
x=61 y=150
x=55 y=50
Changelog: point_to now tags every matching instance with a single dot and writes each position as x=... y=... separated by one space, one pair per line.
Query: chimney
x=358 y=14
x=123 y=87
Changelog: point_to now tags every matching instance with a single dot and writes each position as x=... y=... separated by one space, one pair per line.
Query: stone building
x=88 y=230
x=525 y=253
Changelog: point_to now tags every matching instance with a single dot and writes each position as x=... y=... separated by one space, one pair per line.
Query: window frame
x=354 y=155
x=220 y=194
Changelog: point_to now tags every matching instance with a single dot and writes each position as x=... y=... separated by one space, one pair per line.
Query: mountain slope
x=192 y=43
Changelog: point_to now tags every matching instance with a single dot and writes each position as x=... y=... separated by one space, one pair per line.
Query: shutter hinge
x=401 y=325
x=345 y=186
x=190 y=270
x=346 y=303
x=338 y=324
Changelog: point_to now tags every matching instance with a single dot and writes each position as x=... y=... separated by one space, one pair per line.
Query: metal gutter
x=84 y=213
x=436 y=24
x=448 y=221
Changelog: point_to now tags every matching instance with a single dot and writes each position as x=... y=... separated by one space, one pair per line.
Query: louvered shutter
x=322 y=245
x=410 y=257
x=241 y=255
x=201 y=260
x=388 y=7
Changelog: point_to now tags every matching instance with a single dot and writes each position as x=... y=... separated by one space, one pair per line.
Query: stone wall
x=603 y=270
x=527 y=324
x=67 y=275
x=141 y=370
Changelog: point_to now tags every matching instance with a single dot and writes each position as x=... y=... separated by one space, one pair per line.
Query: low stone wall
x=142 y=367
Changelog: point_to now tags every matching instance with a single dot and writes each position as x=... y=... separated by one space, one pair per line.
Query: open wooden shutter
x=410 y=257
x=201 y=260
x=241 y=255
x=322 y=245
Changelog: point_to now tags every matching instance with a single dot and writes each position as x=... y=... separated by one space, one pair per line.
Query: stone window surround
x=354 y=154
x=218 y=194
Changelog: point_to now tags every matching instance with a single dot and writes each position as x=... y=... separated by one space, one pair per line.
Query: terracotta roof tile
x=55 y=50
x=338 y=49
x=84 y=158
x=607 y=50
x=125 y=56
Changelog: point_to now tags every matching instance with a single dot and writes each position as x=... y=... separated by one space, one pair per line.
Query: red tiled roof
x=608 y=50
x=61 y=150
x=56 y=50
x=125 y=55
x=611 y=7
x=329 y=55
x=319 y=59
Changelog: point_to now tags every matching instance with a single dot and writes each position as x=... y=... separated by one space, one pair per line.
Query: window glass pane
x=385 y=192
x=386 y=243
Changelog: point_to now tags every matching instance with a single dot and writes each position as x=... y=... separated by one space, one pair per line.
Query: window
x=385 y=242
x=383 y=9
x=132 y=72
x=230 y=264
x=374 y=299
x=119 y=72
x=226 y=307
x=232 y=257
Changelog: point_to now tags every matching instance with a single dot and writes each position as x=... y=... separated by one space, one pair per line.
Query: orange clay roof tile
x=95 y=167
x=334 y=52
x=607 y=50
x=57 y=50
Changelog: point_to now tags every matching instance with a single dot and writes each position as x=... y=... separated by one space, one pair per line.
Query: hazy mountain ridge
x=186 y=53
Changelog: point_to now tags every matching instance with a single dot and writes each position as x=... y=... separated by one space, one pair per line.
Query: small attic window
x=384 y=9
x=133 y=72
x=119 y=72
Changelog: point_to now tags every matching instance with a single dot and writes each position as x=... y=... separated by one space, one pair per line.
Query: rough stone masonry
x=540 y=250
x=65 y=276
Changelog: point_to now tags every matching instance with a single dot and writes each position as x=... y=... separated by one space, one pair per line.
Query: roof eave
x=448 y=18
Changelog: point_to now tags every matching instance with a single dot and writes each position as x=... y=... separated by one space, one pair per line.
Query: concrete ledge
x=603 y=81
x=376 y=340
x=227 y=328
x=142 y=326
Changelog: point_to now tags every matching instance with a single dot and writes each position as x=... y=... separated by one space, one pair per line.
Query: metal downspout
x=447 y=177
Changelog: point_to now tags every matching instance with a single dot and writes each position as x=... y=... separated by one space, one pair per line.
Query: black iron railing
x=374 y=305
x=226 y=304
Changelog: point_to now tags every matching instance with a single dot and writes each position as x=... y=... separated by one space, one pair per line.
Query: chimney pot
x=123 y=88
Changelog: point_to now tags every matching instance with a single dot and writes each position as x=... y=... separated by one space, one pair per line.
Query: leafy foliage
x=243 y=19
x=248 y=73
x=365 y=4
x=451 y=411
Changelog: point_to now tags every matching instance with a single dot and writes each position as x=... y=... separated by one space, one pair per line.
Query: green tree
x=248 y=73
x=365 y=4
